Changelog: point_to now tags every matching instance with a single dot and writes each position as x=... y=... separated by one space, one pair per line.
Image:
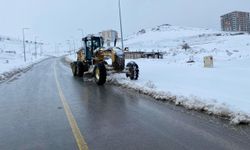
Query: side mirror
x=126 y=49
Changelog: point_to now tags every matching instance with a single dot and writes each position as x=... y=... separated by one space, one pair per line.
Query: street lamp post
x=74 y=44
x=120 y=17
x=41 y=49
x=36 y=46
x=24 y=47
x=56 y=49
x=59 y=45
x=69 y=44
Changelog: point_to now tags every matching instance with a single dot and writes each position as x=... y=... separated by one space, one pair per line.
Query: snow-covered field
x=223 y=90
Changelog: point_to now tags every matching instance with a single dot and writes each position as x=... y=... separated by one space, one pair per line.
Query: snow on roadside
x=16 y=65
x=203 y=91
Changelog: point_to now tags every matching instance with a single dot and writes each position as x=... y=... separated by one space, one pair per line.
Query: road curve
x=33 y=114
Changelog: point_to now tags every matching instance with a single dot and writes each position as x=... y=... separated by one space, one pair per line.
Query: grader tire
x=133 y=70
x=100 y=74
x=79 y=69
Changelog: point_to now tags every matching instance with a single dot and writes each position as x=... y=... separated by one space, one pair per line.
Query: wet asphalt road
x=109 y=118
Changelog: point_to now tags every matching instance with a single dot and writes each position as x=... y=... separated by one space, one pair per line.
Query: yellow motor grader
x=94 y=60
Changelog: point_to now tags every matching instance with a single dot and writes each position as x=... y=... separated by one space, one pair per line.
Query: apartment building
x=235 y=21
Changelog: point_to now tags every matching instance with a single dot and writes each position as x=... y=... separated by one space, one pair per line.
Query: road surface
x=46 y=108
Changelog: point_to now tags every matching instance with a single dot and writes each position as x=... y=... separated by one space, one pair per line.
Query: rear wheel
x=100 y=74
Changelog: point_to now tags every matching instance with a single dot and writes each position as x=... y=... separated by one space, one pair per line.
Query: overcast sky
x=58 y=20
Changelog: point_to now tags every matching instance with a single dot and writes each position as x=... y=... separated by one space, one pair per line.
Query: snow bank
x=211 y=107
x=197 y=92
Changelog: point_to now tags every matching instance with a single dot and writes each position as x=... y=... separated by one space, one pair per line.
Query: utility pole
x=120 y=16
x=24 y=47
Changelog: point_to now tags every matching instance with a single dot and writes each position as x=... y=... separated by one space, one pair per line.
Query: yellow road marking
x=82 y=145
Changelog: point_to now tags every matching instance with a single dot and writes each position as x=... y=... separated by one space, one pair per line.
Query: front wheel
x=133 y=70
x=100 y=74
x=79 y=69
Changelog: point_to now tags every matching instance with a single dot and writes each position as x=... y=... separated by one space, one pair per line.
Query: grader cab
x=96 y=61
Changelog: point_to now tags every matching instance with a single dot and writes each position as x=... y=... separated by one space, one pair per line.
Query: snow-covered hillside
x=222 y=90
x=164 y=37
x=169 y=39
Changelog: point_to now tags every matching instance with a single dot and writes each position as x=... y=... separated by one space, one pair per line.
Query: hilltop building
x=235 y=21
